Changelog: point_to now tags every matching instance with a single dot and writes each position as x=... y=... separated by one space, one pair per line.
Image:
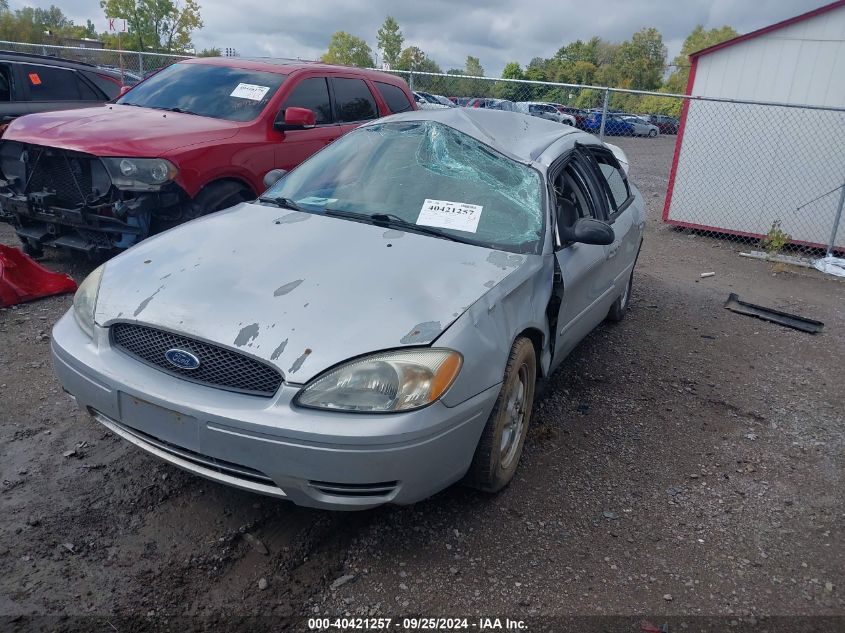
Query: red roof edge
x=769 y=29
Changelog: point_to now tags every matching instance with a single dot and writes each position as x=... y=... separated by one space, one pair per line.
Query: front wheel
x=620 y=306
x=32 y=248
x=652 y=133
x=500 y=447
x=218 y=196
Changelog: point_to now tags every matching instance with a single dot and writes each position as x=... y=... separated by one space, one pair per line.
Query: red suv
x=196 y=137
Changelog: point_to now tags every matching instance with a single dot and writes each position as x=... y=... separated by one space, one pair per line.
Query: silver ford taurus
x=371 y=329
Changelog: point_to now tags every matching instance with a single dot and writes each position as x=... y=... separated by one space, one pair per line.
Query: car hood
x=117 y=130
x=301 y=291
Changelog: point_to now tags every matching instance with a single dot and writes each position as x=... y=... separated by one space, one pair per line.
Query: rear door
x=294 y=146
x=354 y=102
x=588 y=290
x=50 y=88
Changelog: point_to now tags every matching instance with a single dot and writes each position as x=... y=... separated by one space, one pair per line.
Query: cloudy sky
x=496 y=31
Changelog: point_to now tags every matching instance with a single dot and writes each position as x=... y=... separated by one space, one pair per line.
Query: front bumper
x=329 y=460
x=41 y=221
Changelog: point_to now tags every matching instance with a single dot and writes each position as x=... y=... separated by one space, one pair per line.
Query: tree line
x=161 y=26
x=638 y=63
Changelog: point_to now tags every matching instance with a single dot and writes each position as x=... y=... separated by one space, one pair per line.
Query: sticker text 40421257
x=444 y=214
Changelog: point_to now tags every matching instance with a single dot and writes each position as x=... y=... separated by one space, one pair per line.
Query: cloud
x=496 y=31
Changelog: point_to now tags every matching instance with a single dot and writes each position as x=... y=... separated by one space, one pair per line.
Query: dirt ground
x=686 y=462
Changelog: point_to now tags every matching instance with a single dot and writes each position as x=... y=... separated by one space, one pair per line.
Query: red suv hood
x=116 y=130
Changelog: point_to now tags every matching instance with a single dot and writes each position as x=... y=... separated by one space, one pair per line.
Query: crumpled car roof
x=520 y=136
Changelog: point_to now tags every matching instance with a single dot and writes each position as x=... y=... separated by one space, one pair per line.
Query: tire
x=620 y=306
x=33 y=249
x=652 y=133
x=500 y=447
x=218 y=196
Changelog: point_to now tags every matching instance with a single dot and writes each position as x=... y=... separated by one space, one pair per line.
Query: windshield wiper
x=392 y=220
x=179 y=110
x=284 y=203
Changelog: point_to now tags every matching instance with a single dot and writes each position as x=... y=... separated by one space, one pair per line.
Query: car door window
x=86 y=92
x=394 y=97
x=573 y=197
x=613 y=179
x=47 y=83
x=312 y=93
x=5 y=82
x=354 y=100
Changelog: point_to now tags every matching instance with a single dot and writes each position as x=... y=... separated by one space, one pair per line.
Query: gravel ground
x=686 y=462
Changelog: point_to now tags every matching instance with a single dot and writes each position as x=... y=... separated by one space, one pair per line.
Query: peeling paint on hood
x=357 y=296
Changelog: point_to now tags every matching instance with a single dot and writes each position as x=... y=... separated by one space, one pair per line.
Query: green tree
x=641 y=60
x=36 y=26
x=89 y=30
x=473 y=67
x=390 y=41
x=513 y=71
x=348 y=50
x=507 y=89
x=157 y=25
x=699 y=39
x=413 y=58
x=210 y=52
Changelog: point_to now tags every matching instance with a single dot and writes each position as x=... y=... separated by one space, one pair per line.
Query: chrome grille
x=219 y=367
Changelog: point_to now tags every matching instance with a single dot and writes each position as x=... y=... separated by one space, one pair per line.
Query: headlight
x=383 y=383
x=85 y=300
x=140 y=174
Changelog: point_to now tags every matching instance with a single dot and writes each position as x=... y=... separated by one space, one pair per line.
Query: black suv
x=39 y=83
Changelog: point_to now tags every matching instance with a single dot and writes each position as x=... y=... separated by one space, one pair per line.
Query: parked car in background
x=614 y=126
x=444 y=100
x=520 y=235
x=492 y=104
x=641 y=126
x=544 y=111
x=578 y=114
x=196 y=137
x=38 y=83
x=128 y=77
x=461 y=101
x=666 y=124
x=427 y=101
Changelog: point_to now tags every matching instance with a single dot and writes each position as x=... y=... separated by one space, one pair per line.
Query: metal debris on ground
x=735 y=304
x=830 y=265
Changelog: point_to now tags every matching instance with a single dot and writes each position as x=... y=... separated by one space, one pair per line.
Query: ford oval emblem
x=182 y=359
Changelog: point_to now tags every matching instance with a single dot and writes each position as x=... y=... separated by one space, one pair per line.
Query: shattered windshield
x=426 y=174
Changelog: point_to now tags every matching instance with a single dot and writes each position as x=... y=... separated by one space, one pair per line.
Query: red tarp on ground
x=21 y=279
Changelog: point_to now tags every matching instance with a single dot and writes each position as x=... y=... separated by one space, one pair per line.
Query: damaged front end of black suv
x=96 y=205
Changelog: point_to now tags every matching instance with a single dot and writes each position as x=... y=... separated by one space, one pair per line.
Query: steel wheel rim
x=514 y=418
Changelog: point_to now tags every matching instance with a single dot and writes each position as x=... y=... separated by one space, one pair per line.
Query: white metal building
x=739 y=167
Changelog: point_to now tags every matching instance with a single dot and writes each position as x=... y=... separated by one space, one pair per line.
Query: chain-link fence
x=133 y=65
x=770 y=176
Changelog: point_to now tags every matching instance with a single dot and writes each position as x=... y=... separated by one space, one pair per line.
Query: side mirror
x=273 y=176
x=294 y=118
x=124 y=90
x=587 y=231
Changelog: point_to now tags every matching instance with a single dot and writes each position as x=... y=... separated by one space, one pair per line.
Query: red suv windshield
x=213 y=91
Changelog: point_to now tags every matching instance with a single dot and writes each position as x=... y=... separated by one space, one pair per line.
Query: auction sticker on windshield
x=250 y=91
x=443 y=214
